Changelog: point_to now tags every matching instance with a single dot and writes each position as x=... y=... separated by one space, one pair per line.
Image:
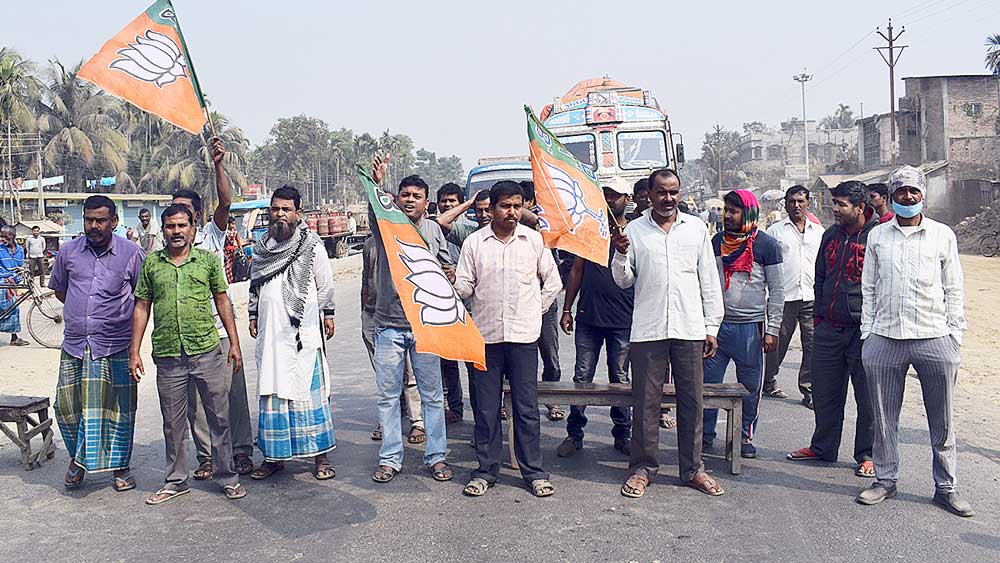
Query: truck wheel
x=341 y=248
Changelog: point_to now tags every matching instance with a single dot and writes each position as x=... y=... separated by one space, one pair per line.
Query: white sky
x=454 y=75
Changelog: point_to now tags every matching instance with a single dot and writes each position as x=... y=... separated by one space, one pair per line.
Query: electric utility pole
x=894 y=51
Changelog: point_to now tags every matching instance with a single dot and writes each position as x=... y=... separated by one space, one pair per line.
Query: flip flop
x=235 y=491
x=164 y=495
x=122 y=484
x=384 y=474
x=74 y=479
x=442 y=472
x=417 y=436
x=324 y=471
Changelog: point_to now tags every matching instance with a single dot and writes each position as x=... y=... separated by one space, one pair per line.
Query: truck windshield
x=582 y=147
x=485 y=180
x=641 y=149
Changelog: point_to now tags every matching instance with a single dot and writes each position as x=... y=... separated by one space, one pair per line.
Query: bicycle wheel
x=989 y=246
x=45 y=320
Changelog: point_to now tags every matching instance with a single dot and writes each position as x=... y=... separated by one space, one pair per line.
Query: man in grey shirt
x=754 y=297
x=35 y=248
x=395 y=343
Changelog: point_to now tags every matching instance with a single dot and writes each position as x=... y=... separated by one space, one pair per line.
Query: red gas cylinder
x=311 y=222
x=322 y=226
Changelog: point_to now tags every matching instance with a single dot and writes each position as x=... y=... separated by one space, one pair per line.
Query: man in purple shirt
x=96 y=397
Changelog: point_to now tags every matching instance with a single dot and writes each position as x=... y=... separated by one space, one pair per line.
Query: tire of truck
x=341 y=248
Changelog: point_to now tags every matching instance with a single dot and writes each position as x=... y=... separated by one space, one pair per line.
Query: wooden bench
x=723 y=396
x=18 y=411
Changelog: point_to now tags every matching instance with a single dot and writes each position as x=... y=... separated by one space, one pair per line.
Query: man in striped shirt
x=913 y=315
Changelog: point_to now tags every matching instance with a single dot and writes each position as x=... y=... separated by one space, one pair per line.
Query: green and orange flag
x=147 y=64
x=440 y=322
x=572 y=211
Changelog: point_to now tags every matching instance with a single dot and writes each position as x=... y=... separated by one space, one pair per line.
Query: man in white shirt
x=667 y=256
x=913 y=315
x=291 y=309
x=799 y=238
x=499 y=272
x=212 y=237
x=35 y=247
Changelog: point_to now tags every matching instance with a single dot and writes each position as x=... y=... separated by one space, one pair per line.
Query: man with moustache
x=291 y=309
x=146 y=234
x=180 y=282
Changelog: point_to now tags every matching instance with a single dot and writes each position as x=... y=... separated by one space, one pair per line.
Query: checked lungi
x=294 y=429
x=95 y=409
x=12 y=323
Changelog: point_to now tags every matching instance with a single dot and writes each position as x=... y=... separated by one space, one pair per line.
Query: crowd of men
x=877 y=292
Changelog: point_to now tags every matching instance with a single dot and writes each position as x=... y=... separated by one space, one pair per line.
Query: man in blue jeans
x=754 y=297
x=394 y=342
x=603 y=317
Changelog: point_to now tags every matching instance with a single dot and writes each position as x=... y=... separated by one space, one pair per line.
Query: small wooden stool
x=19 y=410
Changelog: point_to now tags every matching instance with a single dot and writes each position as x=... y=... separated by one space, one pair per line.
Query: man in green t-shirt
x=181 y=283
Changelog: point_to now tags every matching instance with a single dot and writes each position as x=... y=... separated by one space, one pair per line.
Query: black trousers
x=836 y=361
x=519 y=364
x=649 y=369
x=451 y=379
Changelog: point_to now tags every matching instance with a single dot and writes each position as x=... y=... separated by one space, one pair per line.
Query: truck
x=619 y=131
x=490 y=170
x=331 y=226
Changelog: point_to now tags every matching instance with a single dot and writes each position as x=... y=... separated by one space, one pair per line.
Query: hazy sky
x=454 y=75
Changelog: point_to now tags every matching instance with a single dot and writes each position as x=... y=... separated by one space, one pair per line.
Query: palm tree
x=85 y=140
x=993 y=53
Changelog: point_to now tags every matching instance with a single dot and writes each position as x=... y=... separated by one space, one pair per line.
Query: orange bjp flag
x=147 y=64
x=572 y=211
x=440 y=322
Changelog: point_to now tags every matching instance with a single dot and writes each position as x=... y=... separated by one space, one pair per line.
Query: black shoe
x=807 y=402
x=748 y=451
x=624 y=447
x=876 y=493
x=569 y=447
x=953 y=504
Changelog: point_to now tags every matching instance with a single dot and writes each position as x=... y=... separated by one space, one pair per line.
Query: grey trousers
x=936 y=362
x=411 y=396
x=175 y=377
x=649 y=370
x=239 y=417
x=798 y=313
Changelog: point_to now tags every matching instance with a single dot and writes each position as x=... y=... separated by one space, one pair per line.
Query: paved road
x=774 y=511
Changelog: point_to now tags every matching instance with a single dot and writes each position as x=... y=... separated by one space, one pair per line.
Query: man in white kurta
x=291 y=310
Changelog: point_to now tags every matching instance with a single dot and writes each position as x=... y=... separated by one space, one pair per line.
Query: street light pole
x=802 y=79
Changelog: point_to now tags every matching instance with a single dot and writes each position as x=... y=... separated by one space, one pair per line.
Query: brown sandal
x=417 y=436
x=442 y=472
x=204 y=472
x=705 y=484
x=384 y=474
x=266 y=469
x=635 y=486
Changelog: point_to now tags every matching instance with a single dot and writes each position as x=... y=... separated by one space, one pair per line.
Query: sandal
x=266 y=469
x=542 y=488
x=803 y=454
x=477 y=487
x=705 y=484
x=417 y=436
x=124 y=482
x=556 y=414
x=73 y=477
x=377 y=433
x=442 y=472
x=866 y=469
x=384 y=474
x=635 y=486
x=324 y=470
x=243 y=464
x=163 y=495
x=667 y=421
x=235 y=491
x=204 y=471
x=775 y=393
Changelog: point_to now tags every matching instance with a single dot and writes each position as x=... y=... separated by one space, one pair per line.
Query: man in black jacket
x=837 y=341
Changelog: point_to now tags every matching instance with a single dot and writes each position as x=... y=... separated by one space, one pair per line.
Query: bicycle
x=45 y=314
x=989 y=245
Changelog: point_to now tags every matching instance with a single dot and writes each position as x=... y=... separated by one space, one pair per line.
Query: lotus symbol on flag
x=439 y=304
x=574 y=200
x=154 y=58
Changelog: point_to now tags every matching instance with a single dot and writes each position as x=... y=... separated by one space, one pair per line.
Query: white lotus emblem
x=439 y=304
x=154 y=58
x=573 y=200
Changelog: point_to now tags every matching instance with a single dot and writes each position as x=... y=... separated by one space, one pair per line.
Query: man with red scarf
x=753 y=294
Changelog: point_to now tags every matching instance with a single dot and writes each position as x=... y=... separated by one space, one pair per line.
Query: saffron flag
x=572 y=211
x=147 y=64
x=440 y=322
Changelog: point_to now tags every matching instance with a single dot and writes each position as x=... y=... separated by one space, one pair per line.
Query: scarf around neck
x=737 y=247
x=294 y=255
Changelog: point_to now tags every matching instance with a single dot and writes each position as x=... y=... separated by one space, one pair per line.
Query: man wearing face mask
x=913 y=315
